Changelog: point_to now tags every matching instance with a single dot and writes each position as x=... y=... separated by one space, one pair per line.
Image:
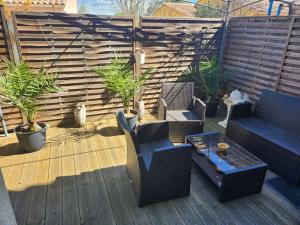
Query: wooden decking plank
x=14 y=175
x=71 y=213
x=54 y=210
x=210 y=198
x=120 y=209
x=205 y=214
x=37 y=208
x=102 y=203
x=186 y=212
x=86 y=200
x=271 y=210
x=24 y=190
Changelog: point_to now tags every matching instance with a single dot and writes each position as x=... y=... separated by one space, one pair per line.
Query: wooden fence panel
x=289 y=81
x=74 y=45
x=12 y=115
x=173 y=44
x=254 y=51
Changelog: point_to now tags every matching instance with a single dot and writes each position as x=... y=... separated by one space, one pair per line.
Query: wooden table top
x=235 y=157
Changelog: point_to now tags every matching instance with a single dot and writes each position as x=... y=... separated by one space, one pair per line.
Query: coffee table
x=236 y=173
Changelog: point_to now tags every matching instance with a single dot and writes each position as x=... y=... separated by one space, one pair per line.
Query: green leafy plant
x=207 y=78
x=118 y=77
x=23 y=87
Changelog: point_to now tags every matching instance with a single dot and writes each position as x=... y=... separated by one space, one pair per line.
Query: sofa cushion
x=279 y=136
x=279 y=109
x=147 y=149
x=182 y=115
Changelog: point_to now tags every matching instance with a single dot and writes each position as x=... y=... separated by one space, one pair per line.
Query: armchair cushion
x=182 y=115
x=147 y=149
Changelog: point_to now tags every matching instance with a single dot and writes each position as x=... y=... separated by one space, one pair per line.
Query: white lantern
x=139 y=56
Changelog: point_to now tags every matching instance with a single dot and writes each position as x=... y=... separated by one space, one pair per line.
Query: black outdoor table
x=236 y=173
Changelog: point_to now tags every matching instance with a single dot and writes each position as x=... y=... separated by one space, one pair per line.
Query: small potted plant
x=22 y=87
x=209 y=83
x=118 y=77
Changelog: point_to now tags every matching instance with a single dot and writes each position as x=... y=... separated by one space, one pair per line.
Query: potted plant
x=22 y=87
x=209 y=83
x=118 y=77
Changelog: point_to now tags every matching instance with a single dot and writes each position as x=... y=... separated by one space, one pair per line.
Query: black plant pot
x=32 y=141
x=131 y=120
x=211 y=108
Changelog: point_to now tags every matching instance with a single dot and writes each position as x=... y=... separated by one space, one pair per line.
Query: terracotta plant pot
x=32 y=141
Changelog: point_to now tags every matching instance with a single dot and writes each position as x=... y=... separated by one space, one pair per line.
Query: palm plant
x=22 y=87
x=208 y=78
x=118 y=77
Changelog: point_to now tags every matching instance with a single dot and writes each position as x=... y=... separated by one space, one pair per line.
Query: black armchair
x=158 y=170
x=185 y=113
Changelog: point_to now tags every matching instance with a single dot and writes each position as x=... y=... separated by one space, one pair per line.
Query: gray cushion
x=279 y=136
x=182 y=115
x=147 y=149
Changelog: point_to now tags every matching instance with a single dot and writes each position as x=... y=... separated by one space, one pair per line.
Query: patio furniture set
x=259 y=138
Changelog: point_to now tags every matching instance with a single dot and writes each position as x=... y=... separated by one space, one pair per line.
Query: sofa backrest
x=178 y=96
x=282 y=110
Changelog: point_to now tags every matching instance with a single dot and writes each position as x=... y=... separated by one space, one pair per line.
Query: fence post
x=284 y=52
x=13 y=43
x=136 y=44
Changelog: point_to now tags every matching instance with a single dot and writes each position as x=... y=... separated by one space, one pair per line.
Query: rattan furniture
x=236 y=173
x=184 y=112
x=271 y=132
x=158 y=170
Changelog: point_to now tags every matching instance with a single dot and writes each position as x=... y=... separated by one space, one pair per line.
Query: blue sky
x=100 y=7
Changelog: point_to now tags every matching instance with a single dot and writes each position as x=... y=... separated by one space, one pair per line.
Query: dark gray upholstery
x=159 y=171
x=271 y=132
x=178 y=103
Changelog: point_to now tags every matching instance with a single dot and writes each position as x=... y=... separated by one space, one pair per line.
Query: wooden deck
x=80 y=178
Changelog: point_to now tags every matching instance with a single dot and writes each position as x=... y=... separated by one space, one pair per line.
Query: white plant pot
x=140 y=108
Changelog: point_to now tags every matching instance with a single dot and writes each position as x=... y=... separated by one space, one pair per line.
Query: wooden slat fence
x=289 y=81
x=74 y=45
x=261 y=53
x=173 y=44
x=13 y=116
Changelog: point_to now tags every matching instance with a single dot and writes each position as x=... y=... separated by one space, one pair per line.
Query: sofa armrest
x=242 y=110
x=162 y=109
x=152 y=131
x=199 y=108
x=179 y=155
